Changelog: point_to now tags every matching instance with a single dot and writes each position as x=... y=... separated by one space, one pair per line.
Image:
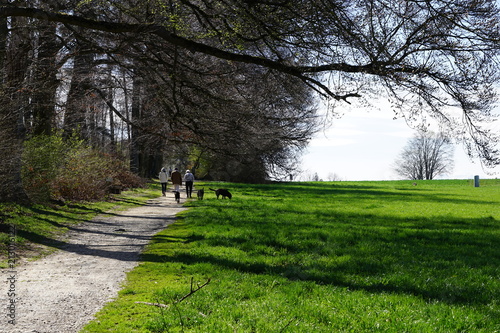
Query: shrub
x=43 y=156
x=71 y=170
x=83 y=176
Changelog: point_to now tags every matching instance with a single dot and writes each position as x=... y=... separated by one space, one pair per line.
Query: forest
x=229 y=89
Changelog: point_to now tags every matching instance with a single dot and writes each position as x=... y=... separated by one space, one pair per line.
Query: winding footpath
x=61 y=293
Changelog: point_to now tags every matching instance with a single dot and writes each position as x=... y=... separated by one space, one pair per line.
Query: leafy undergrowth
x=32 y=231
x=321 y=257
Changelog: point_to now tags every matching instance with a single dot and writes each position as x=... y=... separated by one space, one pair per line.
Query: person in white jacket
x=189 y=180
x=163 y=180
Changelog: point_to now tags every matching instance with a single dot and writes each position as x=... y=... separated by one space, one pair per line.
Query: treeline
x=141 y=100
x=229 y=88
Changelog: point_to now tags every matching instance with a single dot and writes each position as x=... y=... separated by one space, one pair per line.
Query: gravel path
x=61 y=292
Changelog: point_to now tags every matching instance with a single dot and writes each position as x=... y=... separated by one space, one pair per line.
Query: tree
x=45 y=83
x=426 y=156
x=201 y=64
x=13 y=106
x=428 y=56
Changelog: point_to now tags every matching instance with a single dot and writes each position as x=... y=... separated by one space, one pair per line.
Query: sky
x=364 y=144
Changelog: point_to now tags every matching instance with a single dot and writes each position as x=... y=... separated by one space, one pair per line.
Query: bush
x=70 y=170
x=43 y=157
x=83 y=176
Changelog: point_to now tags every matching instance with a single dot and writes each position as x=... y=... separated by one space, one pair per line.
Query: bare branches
x=404 y=38
x=191 y=45
x=191 y=293
x=429 y=57
x=426 y=156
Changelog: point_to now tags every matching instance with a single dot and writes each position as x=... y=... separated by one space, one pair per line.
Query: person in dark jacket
x=176 y=178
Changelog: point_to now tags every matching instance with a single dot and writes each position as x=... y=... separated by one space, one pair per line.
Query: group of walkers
x=177 y=179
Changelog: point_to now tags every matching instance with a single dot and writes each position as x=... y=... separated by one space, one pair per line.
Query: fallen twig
x=191 y=292
x=154 y=304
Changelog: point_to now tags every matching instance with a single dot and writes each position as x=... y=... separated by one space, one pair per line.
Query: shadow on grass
x=400 y=191
x=107 y=230
x=449 y=260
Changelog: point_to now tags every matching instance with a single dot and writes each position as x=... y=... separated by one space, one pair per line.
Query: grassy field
x=322 y=257
x=40 y=228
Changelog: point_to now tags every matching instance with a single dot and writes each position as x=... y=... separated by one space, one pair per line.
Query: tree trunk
x=135 y=146
x=112 y=137
x=75 y=119
x=45 y=81
x=14 y=103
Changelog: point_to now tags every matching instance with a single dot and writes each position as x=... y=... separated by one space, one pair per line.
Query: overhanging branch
x=160 y=31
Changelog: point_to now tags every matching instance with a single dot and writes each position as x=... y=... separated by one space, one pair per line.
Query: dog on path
x=177 y=196
x=200 y=194
x=222 y=192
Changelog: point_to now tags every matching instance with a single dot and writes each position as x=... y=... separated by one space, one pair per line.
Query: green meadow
x=321 y=257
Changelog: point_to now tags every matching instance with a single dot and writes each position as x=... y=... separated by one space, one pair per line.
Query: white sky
x=363 y=145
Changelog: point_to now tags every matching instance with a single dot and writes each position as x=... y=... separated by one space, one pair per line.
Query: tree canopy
x=207 y=67
x=426 y=54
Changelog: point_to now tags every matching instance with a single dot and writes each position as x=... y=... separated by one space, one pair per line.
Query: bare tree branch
x=191 y=292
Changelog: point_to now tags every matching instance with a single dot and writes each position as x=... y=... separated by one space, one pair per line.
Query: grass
x=39 y=229
x=322 y=257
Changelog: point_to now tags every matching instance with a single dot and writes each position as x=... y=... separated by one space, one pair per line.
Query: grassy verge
x=39 y=229
x=322 y=257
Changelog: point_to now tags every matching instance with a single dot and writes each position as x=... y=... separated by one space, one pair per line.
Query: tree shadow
x=448 y=260
x=346 y=191
x=106 y=231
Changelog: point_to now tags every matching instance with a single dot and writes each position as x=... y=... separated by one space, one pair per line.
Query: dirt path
x=61 y=292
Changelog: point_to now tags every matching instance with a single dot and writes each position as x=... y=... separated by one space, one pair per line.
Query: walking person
x=189 y=180
x=163 y=181
x=176 y=178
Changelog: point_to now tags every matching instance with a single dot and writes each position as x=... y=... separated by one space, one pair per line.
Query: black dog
x=223 y=192
x=177 y=196
x=200 y=194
